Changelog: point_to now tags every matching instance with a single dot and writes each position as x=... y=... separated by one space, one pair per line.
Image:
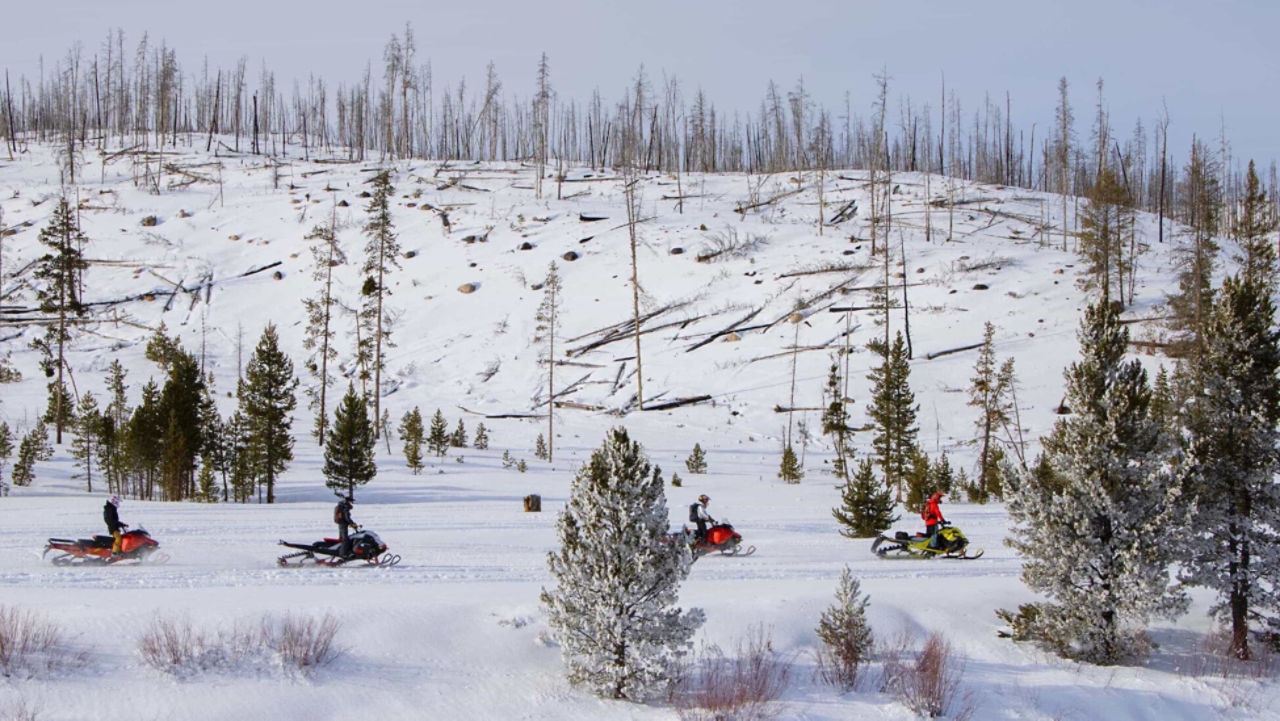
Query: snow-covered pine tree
x=438 y=435
x=348 y=454
x=458 y=439
x=835 y=420
x=1254 y=230
x=866 y=507
x=411 y=434
x=319 y=335
x=540 y=448
x=59 y=274
x=1098 y=531
x=481 y=440
x=618 y=576
x=1231 y=457
x=6 y=450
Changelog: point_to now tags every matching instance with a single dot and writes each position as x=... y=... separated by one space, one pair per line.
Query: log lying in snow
x=783 y=409
x=676 y=403
x=742 y=209
x=949 y=351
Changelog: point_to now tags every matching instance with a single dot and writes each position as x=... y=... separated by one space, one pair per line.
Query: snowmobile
x=135 y=545
x=364 y=546
x=951 y=543
x=723 y=539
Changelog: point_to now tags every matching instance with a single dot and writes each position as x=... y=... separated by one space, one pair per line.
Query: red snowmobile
x=364 y=546
x=135 y=545
x=723 y=539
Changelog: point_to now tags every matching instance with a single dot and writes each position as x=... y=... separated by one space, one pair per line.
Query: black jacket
x=342 y=514
x=112 y=517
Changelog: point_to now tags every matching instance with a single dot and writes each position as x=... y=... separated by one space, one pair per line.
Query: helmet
x=114 y=500
x=938 y=495
x=704 y=498
x=351 y=499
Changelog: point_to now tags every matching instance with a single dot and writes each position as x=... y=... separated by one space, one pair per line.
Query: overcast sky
x=1211 y=62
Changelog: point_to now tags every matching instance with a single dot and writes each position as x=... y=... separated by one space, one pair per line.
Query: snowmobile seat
x=103 y=541
x=901 y=536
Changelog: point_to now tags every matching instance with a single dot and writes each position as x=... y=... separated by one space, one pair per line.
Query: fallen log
x=742 y=209
x=732 y=327
x=949 y=351
x=676 y=403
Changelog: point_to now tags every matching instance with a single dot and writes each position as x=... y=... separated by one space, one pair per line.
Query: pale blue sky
x=1211 y=62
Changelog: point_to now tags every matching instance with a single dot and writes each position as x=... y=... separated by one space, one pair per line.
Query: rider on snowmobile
x=698 y=514
x=111 y=514
x=932 y=516
x=342 y=517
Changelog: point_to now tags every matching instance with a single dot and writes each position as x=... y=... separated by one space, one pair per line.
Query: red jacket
x=932 y=513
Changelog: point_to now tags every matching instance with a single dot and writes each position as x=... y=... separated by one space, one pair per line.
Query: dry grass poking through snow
x=291 y=643
x=745 y=687
x=29 y=644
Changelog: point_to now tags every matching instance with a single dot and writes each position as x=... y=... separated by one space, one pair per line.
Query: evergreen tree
x=173 y=462
x=33 y=448
x=696 y=463
x=1105 y=225
x=835 y=421
x=618 y=575
x=113 y=450
x=206 y=483
x=893 y=412
x=1254 y=230
x=540 y=448
x=411 y=434
x=459 y=437
x=866 y=507
x=145 y=440
x=942 y=477
x=239 y=461
x=267 y=400
x=919 y=481
x=84 y=447
x=60 y=275
x=1201 y=209
x=481 y=440
x=845 y=633
x=319 y=336
x=989 y=393
x=215 y=439
x=382 y=255
x=1098 y=538
x=178 y=419
x=348 y=454
x=60 y=410
x=789 y=470
x=1163 y=406
x=548 y=324
x=1230 y=461
x=438 y=435
x=6 y=452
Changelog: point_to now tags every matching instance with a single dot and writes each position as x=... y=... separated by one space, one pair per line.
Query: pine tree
x=507 y=460
x=548 y=324
x=6 y=452
x=1230 y=461
x=438 y=435
x=28 y=454
x=458 y=439
x=114 y=429
x=319 y=335
x=382 y=255
x=348 y=454
x=411 y=434
x=206 y=483
x=835 y=421
x=84 y=447
x=1254 y=230
x=789 y=470
x=540 y=448
x=1098 y=538
x=144 y=440
x=60 y=273
x=1201 y=200
x=618 y=575
x=267 y=400
x=60 y=408
x=989 y=393
x=481 y=440
x=1104 y=227
x=178 y=417
x=866 y=507
x=845 y=633
x=696 y=463
x=919 y=481
x=893 y=411
x=943 y=478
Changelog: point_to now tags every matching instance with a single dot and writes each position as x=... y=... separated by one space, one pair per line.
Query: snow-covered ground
x=455 y=630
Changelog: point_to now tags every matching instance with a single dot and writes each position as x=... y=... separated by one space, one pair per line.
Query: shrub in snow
x=743 y=687
x=618 y=575
x=179 y=648
x=928 y=682
x=29 y=644
x=1096 y=522
x=846 y=635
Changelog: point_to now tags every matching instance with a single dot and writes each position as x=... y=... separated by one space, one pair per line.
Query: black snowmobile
x=363 y=546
